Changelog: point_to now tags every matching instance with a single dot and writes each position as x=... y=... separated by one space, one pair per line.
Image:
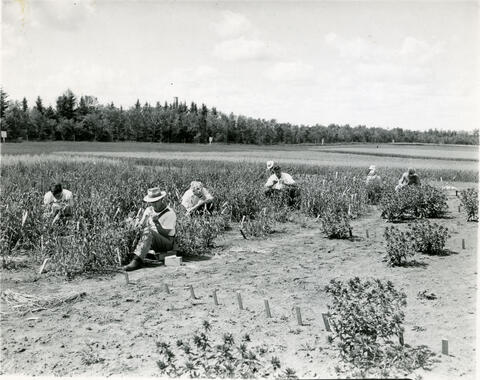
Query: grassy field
x=362 y=155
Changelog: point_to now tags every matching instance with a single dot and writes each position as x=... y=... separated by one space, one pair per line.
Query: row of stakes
x=268 y=312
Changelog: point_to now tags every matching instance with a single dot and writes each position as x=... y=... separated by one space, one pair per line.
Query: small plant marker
x=126 y=278
x=325 y=322
x=215 y=299
x=299 y=316
x=366 y=234
x=459 y=208
x=167 y=290
x=336 y=175
x=116 y=212
x=119 y=257
x=444 y=346
x=24 y=217
x=400 y=339
x=456 y=193
x=239 y=299
x=42 y=267
x=192 y=292
x=463 y=243
x=267 y=309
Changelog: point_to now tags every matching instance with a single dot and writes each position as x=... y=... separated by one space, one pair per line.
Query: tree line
x=84 y=119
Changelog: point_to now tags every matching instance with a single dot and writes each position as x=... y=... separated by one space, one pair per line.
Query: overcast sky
x=401 y=64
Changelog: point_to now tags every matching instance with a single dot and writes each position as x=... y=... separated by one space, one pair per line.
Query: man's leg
x=142 y=248
x=161 y=243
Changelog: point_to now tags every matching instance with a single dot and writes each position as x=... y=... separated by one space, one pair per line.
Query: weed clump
x=469 y=200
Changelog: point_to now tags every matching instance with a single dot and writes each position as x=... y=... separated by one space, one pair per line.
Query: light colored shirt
x=406 y=179
x=374 y=180
x=279 y=183
x=66 y=199
x=190 y=200
x=167 y=219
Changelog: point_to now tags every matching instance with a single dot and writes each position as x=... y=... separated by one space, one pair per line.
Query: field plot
x=80 y=317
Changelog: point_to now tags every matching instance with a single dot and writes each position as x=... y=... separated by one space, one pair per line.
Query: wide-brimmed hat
x=154 y=194
x=270 y=164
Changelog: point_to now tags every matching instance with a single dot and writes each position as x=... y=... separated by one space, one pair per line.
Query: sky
x=407 y=64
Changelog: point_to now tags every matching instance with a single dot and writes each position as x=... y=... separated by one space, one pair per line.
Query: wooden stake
x=126 y=278
x=215 y=299
x=459 y=208
x=400 y=339
x=444 y=346
x=43 y=265
x=336 y=175
x=366 y=234
x=119 y=257
x=463 y=243
x=167 y=290
x=325 y=322
x=239 y=299
x=456 y=193
x=299 y=316
x=267 y=309
x=192 y=292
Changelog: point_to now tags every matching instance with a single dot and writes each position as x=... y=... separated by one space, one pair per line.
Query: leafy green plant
x=336 y=225
x=429 y=238
x=469 y=200
x=413 y=202
x=399 y=246
x=199 y=356
x=367 y=319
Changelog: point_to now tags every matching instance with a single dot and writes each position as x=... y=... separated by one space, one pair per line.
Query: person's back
x=58 y=200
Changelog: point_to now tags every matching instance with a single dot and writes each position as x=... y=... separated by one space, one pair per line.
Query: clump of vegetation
x=367 y=319
x=414 y=202
x=336 y=225
x=469 y=200
x=399 y=246
x=200 y=356
x=429 y=238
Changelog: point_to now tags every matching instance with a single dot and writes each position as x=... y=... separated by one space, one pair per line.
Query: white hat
x=154 y=194
x=372 y=167
x=270 y=165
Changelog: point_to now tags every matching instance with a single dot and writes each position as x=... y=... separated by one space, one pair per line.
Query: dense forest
x=84 y=119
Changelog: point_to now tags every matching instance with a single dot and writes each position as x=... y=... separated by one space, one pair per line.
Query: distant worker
x=158 y=224
x=408 y=178
x=373 y=184
x=58 y=201
x=280 y=183
x=197 y=199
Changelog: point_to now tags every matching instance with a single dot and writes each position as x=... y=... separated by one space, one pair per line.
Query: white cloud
x=243 y=49
x=419 y=51
x=290 y=72
x=61 y=14
x=232 y=25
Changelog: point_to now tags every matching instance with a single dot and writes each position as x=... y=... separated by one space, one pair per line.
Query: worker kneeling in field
x=408 y=178
x=373 y=184
x=58 y=201
x=282 y=184
x=158 y=228
x=197 y=199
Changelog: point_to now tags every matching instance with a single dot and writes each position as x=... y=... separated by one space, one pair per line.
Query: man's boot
x=136 y=263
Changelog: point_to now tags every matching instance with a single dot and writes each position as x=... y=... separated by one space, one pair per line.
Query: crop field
x=340 y=285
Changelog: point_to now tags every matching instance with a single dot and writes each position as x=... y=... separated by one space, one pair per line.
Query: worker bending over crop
x=197 y=199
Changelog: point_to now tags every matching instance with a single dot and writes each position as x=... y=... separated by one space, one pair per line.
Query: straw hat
x=154 y=194
x=270 y=165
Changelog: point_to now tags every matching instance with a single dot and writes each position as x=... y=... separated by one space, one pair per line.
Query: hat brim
x=153 y=199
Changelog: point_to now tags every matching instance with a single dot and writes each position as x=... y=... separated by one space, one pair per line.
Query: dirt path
x=114 y=328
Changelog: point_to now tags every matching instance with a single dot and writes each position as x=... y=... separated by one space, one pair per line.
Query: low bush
x=336 y=225
x=399 y=246
x=429 y=238
x=413 y=202
x=367 y=319
x=469 y=201
x=199 y=356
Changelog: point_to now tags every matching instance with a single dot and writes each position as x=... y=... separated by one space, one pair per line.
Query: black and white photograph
x=239 y=189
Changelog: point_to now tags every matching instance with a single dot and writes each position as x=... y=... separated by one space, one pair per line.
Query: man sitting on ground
x=58 y=201
x=280 y=183
x=408 y=178
x=158 y=228
x=197 y=199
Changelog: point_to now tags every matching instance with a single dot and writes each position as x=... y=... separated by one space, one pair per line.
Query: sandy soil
x=113 y=329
